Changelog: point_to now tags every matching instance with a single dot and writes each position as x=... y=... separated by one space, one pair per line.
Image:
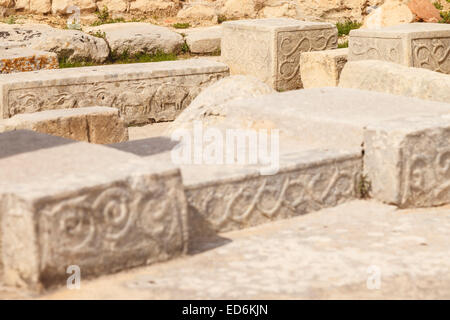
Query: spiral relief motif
x=433 y=54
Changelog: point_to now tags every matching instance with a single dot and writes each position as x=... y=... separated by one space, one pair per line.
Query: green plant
x=185 y=48
x=343 y=44
x=345 y=27
x=98 y=34
x=125 y=57
x=438 y=5
x=364 y=187
x=445 y=15
x=221 y=18
x=181 y=25
x=103 y=17
x=11 y=20
x=65 y=63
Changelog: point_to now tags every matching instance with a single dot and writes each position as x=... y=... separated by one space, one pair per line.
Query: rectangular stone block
x=100 y=125
x=24 y=59
x=420 y=45
x=407 y=161
x=65 y=203
x=388 y=77
x=322 y=68
x=270 y=49
x=143 y=92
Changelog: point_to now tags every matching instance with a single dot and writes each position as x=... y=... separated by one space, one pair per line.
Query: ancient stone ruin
x=259 y=127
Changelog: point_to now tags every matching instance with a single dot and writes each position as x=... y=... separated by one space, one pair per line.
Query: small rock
x=424 y=10
x=139 y=37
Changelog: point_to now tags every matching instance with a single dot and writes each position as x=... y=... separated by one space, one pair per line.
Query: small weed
x=343 y=45
x=445 y=15
x=181 y=25
x=438 y=5
x=221 y=18
x=125 y=57
x=10 y=20
x=98 y=34
x=64 y=63
x=345 y=27
x=364 y=187
x=103 y=17
x=185 y=48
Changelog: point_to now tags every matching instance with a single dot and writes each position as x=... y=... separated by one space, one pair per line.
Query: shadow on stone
x=21 y=141
x=146 y=147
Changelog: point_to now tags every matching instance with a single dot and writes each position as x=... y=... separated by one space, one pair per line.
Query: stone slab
x=72 y=203
x=204 y=40
x=322 y=68
x=408 y=161
x=335 y=253
x=100 y=125
x=25 y=59
x=270 y=49
x=143 y=92
x=393 y=78
x=421 y=45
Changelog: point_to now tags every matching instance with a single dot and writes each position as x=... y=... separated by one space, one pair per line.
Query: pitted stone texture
x=143 y=92
x=393 y=78
x=322 y=68
x=209 y=103
x=420 y=45
x=137 y=37
x=270 y=49
x=24 y=59
x=204 y=40
x=329 y=254
x=71 y=44
x=71 y=203
x=390 y=13
x=100 y=125
x=408 y=161
x=61 y=7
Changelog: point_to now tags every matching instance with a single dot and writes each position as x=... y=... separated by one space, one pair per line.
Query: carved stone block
x=24 y=59
x=142 y=92
x=65 y=203
x=270 y=49
x=420 y=45
x=408 y=161
x=100 y=125
x=322 y=68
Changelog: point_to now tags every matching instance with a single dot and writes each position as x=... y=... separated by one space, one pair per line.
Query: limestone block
x=156 y=7
x=270 y=49
x=408 y=161
x=40 y=6
x=61 y=6
x=143 y=92
x=322 y=68
x=71 y=44
x=204 y=40
x=425 y=10
x=387 y=77
x=67 y=203
x=25 y=59
x=114 y=6
x=202 y=11
x=421 y=45
x=100 y=125
x=139 y=37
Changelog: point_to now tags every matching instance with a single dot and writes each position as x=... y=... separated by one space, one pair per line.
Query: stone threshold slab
x=143 y=92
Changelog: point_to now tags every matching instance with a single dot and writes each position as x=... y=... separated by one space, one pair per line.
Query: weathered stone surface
x=69 y=203
x=296 y=259
x=204 y=40
x=138 y=37
x=70 y=44
x=143 y=92
x=408 y=161
x=270 y=49
x=393 y=78
x=24 y=59
x=198 y=10
x=307 y=120
x=421 y=45
x=425 y=10
x=209 y=103
x=391 y=13
x=322 y=68
x=155 y=7
x=40 y=6
x=100 y=125
x=61 y=6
